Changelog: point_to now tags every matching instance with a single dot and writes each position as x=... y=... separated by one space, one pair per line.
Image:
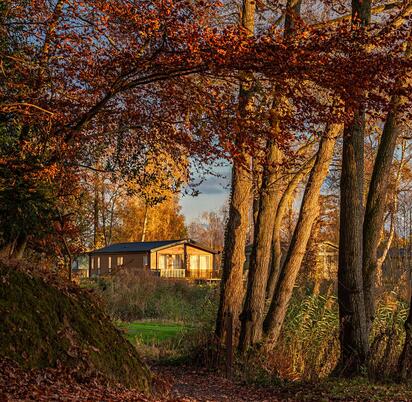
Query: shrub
x=140 y=295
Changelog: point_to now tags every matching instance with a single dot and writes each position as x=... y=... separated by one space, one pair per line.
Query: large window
x=170 y=261
x=119 y=261
x=200 y=262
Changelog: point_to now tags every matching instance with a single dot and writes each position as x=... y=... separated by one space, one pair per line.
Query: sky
x=214 y=192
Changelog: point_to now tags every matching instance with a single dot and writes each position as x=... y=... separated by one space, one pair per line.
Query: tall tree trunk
x=253 y=309
x=284 y=289
x=276 y=238
x=375 y=206
x=145 y=220
x=352 y=318
x=231 y=293
x=95 y=214
x=353 y=329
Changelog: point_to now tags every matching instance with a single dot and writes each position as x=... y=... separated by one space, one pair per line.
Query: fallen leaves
x=58 y=384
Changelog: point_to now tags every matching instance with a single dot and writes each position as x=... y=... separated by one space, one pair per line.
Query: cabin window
x=200 y=262
x=162 y=261
x=98 y=265
x=177 y=261
x=204 y=262
x=119 y=261
x=92 y=261
x=109 y=264
x=170 y=261
x=144 y=261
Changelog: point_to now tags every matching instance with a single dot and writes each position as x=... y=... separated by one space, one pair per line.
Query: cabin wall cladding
x=104 y=264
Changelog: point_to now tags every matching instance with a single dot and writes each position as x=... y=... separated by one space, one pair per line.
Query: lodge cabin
x=168 y=258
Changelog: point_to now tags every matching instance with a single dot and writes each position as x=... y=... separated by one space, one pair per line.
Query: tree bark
x=352 y=319
x=231 y=293
x=253 y=309
x=276 y=238
x=284 y=289
x=353 y=329
x=375 y=206
x=232 y=290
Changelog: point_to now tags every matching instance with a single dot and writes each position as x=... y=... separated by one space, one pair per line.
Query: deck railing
x=193 y=273
x=173 y=273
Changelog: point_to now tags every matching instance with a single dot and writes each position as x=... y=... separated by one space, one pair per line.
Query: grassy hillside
x=45 y=323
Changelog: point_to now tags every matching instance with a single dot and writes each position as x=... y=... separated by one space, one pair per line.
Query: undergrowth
x=131 y=296
x=308 y=348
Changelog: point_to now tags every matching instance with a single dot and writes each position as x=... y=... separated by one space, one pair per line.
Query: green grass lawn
x=151 y=332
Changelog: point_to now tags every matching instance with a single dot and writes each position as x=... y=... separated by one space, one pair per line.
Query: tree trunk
x=353 y=334
x=352 y=319
x=284 y=289
x=375 y=206
x=231 y=292
x=276 y=238
x=95 y=214
x=257 y=184
x=145 y=220
x=253 y=310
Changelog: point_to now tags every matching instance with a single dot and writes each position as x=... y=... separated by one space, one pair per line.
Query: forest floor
x=182 y=384
x=189 y=384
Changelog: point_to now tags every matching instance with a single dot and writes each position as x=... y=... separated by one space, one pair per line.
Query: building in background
x=183 y=258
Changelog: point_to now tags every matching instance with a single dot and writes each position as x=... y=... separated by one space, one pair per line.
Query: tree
x=284 y=288
x=231 y=291
x=164 y=220
x=375 y=205
x=353 y=329
x=209 y=229
x=253 y=309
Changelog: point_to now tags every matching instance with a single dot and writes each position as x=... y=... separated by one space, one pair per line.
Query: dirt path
x=199 y=385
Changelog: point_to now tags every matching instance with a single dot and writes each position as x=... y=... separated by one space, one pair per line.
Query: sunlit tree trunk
x=375 y=206
x=253 y=309
x=232 y=290
x=285 y=200
x=145 y=220
x=284 y=289
x=353 y=330
x=95 y=213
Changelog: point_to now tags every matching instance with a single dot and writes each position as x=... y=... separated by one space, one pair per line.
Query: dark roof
x=136 y=247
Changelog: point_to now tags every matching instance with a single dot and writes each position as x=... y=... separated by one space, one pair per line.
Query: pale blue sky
x=214 y=193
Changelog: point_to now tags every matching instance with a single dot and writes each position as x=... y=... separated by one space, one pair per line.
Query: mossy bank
x=46 y=323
